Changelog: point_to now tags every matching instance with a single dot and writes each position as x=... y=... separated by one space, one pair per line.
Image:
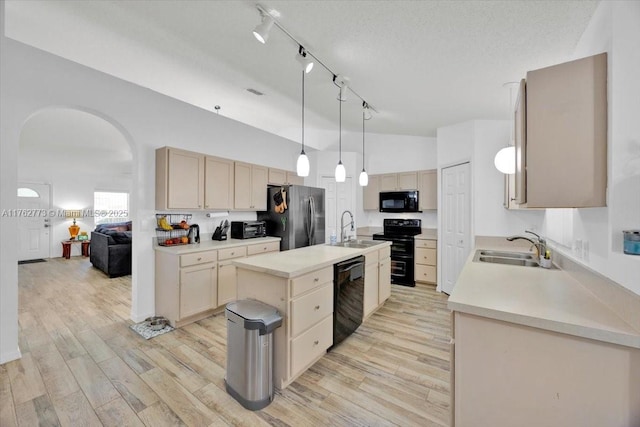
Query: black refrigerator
x=302 y=223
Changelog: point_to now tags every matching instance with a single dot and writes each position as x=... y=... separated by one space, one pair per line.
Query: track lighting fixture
x=363 y=179
x=304 y=60
x=302 y=166
x=261 y=32
x=366 y=111
x=341 y=173
x=343 y=83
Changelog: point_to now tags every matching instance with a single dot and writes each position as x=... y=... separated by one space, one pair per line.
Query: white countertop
x=428 y=234
x=300 y=261
x=208 y=244
x=542 y=298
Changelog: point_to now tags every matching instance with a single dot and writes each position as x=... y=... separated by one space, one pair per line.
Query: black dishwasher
x=348 y=297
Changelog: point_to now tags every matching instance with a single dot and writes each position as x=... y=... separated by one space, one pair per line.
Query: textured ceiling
x=422 y=64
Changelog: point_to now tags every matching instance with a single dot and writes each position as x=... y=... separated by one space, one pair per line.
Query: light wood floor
x=82 y=365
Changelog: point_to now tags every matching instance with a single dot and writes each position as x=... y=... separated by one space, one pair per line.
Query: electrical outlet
x=577 y=248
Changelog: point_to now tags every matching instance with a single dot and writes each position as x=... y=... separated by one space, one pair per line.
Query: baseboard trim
x=9 y=356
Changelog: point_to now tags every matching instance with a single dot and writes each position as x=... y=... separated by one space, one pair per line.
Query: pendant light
x=302 y=166
x=341 y=173
x=505 y=159
x=364 y=178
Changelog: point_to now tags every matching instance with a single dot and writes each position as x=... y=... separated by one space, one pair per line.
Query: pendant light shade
x=302 y=166
x=261 y=32
x=341 y=173
x=505 y=160
x=363 y=179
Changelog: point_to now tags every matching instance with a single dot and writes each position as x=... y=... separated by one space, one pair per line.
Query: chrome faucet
x=342 y=226
x=540 y=243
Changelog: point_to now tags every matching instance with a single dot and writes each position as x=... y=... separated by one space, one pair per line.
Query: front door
x=456 y=206
x=33 y=221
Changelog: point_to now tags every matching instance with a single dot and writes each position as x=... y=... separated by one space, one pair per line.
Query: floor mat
x=146 y=332
x=31 y=261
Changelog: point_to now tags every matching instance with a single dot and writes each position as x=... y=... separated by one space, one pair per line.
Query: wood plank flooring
x=82 y=365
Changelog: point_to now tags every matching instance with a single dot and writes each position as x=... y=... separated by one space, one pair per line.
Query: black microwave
x=399 y=201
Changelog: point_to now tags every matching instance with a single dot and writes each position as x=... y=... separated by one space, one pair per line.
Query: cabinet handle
x=233 y=253
x=316 y=342
x=317 y=279
x=206 y=206
x=317 y=307
x=199 y=258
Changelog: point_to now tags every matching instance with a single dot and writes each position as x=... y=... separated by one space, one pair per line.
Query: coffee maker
x=194 y=233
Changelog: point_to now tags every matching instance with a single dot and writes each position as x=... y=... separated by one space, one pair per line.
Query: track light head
x=343 y=83
x=366 y=110
x=261 y=32
x=305 y=60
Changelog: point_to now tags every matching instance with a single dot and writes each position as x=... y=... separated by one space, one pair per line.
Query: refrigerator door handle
x=312 y=224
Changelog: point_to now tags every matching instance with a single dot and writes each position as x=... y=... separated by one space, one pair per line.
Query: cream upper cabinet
x=428 y=189
x=371 y=194
x=516 y=187
x=282 y=177
x=565 y=151
x=250 y=186
x=218 y=185
x=399 y=181
x=179 y=179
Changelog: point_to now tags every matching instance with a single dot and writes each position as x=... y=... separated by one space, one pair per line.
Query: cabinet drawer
x=309 y=281
x=426 y=256
x=425 y=273
x=311 y=344
x=263 y=248
x=384 y=252
x=432 y=244
x=310 y=308
x=198 y=258
x=230 y=253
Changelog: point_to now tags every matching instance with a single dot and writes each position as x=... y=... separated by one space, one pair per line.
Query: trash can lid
x=256 y=315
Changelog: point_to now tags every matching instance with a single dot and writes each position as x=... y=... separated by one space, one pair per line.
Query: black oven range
x=401 y=233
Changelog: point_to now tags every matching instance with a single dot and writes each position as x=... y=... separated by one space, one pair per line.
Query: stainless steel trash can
x=250 y=326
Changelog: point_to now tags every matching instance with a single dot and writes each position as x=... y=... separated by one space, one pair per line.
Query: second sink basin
x=504 y=257
x=358 y=244
x=509 y=261
x=504 y=254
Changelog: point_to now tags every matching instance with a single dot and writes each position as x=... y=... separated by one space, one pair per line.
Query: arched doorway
x=77 y=153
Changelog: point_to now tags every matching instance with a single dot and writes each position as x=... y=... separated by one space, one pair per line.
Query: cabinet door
x=428 y=189
x=294 y=179
x=370 y=288
x=259 y=179
x=384 y=280
x=218 y=183
x=408 y=181
x=227 y=283
x=389 y=182
x=197 y=289
x=242 y=186
x=185 y=179
x=520 y=118
x=277 y=176
x=371 y=194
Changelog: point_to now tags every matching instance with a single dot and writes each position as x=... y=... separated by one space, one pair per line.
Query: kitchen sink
x=358 y=244
x=502 y=254
x=508 y=258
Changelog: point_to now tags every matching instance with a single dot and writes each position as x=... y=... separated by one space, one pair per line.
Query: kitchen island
x=536 y=346
x=299 y=283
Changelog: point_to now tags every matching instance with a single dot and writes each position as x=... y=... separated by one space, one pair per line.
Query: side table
x=66 y=247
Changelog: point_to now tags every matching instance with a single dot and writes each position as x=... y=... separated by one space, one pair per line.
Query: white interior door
x=337 y=200
x=456 y=190
x=33 y=221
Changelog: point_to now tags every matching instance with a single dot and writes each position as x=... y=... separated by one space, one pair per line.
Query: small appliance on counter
x=631 y=242
x=220 y=232
x=194 y=233
x=248 y=229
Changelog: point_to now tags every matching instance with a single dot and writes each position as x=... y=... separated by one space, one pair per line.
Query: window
x=27 y=192
x=110 y=207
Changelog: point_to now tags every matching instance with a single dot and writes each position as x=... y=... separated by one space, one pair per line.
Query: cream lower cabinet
x=306 y=304
x=186 y=286
x=370 y=283
x=507 y=374
x=384 y=275
x=227 y=284
x=426 y=258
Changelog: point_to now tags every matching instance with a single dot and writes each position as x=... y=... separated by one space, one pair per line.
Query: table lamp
x=74 y=229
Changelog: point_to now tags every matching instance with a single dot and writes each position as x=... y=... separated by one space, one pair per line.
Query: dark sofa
x=111 y=248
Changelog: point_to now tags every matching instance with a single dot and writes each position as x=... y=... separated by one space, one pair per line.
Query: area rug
x=146 y=332
x=31 y=261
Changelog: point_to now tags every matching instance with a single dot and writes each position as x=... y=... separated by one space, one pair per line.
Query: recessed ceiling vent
x=255 y=92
